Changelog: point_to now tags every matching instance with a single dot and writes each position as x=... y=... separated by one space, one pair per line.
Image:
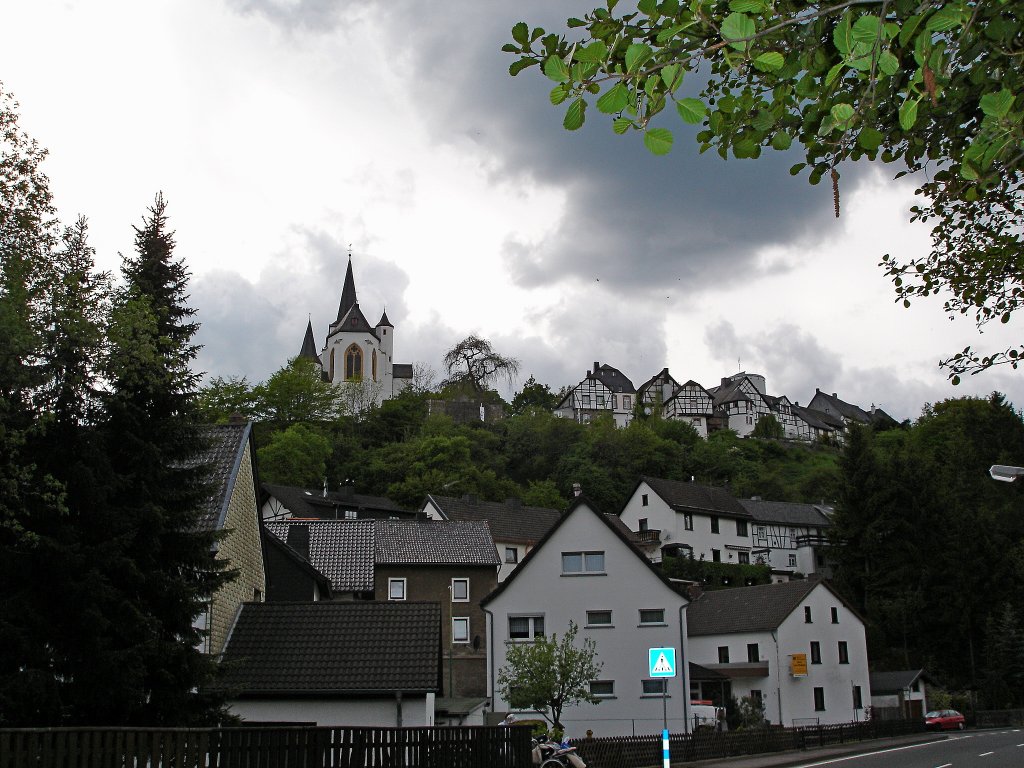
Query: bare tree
x=474 y=362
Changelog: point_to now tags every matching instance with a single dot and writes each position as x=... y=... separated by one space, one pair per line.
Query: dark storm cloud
x=252 y=329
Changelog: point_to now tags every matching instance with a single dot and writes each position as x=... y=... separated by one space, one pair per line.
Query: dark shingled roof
x=281 y=649
x=816 y=419
x=843 y=408
x=309 y=344
x=342 y=550
x=302 y=502
x=683 y=496
x=729 y=393
x=226 y=444
x=786 y=512
x=508 y=520
x=746 y=609
x=434 y=542
x=883 y=683
x=348 y=294
x=613 y=378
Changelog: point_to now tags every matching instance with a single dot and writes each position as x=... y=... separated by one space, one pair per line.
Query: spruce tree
x=164 y=559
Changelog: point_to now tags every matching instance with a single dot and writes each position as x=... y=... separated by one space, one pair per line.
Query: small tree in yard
x=549 y=674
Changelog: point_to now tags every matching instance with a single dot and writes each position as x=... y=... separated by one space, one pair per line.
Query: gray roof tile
x=434 y=542
x=342 y=550
x=746 y=609
x=681 y=495
x=226 y=443
x=508 y=520
x=303 y=502
x=786 y=512
x=333 y=648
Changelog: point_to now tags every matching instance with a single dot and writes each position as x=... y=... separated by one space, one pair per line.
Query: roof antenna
x=350 y=251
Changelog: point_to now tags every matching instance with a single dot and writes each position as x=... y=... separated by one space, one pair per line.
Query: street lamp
x=1005 y=473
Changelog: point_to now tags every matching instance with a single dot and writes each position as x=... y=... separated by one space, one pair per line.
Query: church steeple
x=309 y=343
x=348 y=293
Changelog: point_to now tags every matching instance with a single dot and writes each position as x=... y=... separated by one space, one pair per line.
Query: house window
x=625 y=403
x=741 y=527
x=586 y=401
x=792 y=561
x=350 y=514
x=396 y=589
x=743 y=558
x=373 y=362
x=819 y=699
x=815 y=652
x=643 y=523
x=716 y=555
x=688 y=521
x=757 y=697
x=807 y=614
x=353 y=363
x=652 y=616
x=714 y=524
x=604 y=689
x=653 y=687
x=599 y=618
x=600 y=401
x=858 y=702
x=643 y=500
x=582 y=562
x=844 y=653
x=460 y=629
x=835 y=615
x=525 y=627
x=723 y=654
x=460 y=590
x=511 y=555
x=753 y=656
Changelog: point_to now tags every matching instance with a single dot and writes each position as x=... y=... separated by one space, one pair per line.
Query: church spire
x=348 y=293
x=309 y=343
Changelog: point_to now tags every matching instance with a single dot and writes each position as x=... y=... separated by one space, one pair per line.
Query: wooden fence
x=284 y=747
x=643 y=751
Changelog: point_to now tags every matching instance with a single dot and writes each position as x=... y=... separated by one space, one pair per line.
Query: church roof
x=354 y=321
x=348 y=294
x=384 y=320
x=309 y=343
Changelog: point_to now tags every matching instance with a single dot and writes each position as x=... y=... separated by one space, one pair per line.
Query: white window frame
x=591 y=615
x=460 y=599
x=658 y=623
x=392 y=583
x=609 y=695
x=457 y=621
x=511 y=555
x=586 y=568
x=532 y=633
x=659 y=682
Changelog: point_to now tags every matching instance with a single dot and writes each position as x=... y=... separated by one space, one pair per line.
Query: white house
x=899 y=694
x=742 y=397
x=789 y=537
x=693 y=404
x=798 y=647
x=691 y=519
x=604 y=390
x=587 y=571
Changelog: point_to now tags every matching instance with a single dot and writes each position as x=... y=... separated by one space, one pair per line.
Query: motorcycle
x=553 y=754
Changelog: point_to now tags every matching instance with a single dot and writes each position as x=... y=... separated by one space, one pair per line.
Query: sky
x=286 y=134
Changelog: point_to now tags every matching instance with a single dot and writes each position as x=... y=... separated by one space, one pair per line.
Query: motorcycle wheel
x=553 y=762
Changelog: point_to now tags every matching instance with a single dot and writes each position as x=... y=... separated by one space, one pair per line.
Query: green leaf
x=834 y=72
x=636 y=55
x=668 y=76
x=556 y=69
x=842 y=35
x=842 y=114
x=621 y=124
x=574 y=116
x=908 y=114
x=888 y=63
x=667 y=34
x=647 y=7
x=782 y=141
x=691 y=110
x=744 y=148
x=968 y=171
x=559 y=94
x=908 y=29
x=738 y=26
x=795 y=169
x=614 y=99
x=658 y=141
x=521 y=33
x=997 y=104
x=593 y=53
x=510 y=48
x=947 y=17
x=867 y=29
x=870 y=139
x=746 y=6
x=518 y=66
x=770 y=61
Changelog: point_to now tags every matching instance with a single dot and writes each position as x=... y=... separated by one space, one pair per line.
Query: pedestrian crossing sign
x=662 y=662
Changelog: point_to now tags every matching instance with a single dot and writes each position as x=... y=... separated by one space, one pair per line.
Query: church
x=359 y=353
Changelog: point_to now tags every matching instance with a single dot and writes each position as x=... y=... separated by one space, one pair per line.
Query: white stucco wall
x=795 y=695
x=626 y=586
x=416 y=711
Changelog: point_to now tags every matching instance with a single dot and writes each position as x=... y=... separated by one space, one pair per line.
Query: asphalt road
x=971 y=749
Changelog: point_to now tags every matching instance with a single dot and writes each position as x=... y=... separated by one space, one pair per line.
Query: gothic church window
x=353 y=363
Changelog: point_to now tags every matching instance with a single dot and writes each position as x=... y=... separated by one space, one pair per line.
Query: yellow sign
x=798 y=665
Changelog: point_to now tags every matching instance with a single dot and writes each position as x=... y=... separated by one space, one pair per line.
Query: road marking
x=872 y=754
x=986 y=754
x=945 y=765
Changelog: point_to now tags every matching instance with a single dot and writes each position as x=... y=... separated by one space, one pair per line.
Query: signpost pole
x=662 y=665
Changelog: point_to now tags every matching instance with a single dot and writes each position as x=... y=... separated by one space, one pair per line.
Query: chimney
x=694 y=591
x=298 y=539
x=597 y=366
x=835 y=395
x=577 y=489
x=726 y=381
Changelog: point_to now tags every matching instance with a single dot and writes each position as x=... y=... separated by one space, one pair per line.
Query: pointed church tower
x=386 y=334
x=348 y=293
x=309 y=344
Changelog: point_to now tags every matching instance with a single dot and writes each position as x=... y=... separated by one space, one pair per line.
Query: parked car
x=944 y=720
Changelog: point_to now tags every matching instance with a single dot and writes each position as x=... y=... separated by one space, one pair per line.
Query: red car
x=944 y=720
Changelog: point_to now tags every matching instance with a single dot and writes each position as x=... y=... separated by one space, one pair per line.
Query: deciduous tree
x=473 y=363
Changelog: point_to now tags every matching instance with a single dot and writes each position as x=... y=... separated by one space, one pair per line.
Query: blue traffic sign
x=662 y=662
